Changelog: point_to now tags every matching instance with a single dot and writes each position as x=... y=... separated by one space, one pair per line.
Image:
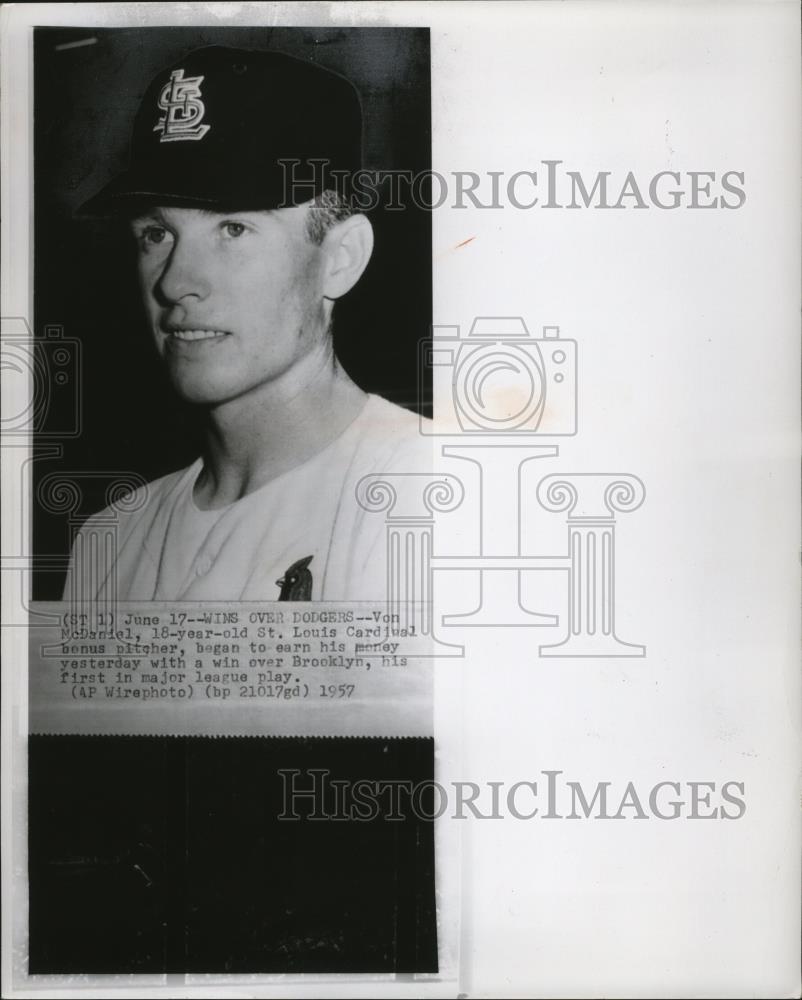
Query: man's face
x=234 y=300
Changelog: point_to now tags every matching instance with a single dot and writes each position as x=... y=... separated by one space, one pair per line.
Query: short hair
x=324 y=213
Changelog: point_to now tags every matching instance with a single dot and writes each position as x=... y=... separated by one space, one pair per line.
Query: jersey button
x=203 y=566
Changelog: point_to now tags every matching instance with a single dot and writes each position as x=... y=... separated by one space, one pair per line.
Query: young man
x=239 y=274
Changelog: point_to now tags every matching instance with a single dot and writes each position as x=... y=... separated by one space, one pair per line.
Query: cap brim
x=131 y=191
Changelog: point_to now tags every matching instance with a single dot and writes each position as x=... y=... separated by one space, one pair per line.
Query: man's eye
x=233 y=229
x=153 y=236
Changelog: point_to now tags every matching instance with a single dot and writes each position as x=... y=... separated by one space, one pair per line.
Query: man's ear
x=348 y=246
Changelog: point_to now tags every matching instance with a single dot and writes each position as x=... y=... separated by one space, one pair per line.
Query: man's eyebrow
x=234 y=211
x=156 y=213
x=153 y=215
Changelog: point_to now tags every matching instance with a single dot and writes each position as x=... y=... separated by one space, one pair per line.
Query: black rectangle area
x=167 y=854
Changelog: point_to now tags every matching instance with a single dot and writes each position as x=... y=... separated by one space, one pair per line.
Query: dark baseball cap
x=214 y=128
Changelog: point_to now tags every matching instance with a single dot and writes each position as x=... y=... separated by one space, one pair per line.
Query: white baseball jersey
x=167 y=549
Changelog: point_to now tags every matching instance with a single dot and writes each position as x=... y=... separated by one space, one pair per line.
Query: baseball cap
x=213 y=129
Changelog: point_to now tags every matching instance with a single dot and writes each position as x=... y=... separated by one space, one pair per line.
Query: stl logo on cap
x=180 y=99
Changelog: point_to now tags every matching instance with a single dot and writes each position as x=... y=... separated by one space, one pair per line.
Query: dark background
x=165 y=854
x=85 y=97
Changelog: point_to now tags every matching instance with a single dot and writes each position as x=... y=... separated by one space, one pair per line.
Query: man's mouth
x=196 y=334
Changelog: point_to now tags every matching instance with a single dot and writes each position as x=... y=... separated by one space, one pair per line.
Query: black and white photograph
x=263 y=435
x=245 y=308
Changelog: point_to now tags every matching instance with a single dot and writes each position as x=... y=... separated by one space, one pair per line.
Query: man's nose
x=184 y=275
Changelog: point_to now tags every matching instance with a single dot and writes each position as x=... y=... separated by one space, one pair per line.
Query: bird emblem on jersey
x=296 y=584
